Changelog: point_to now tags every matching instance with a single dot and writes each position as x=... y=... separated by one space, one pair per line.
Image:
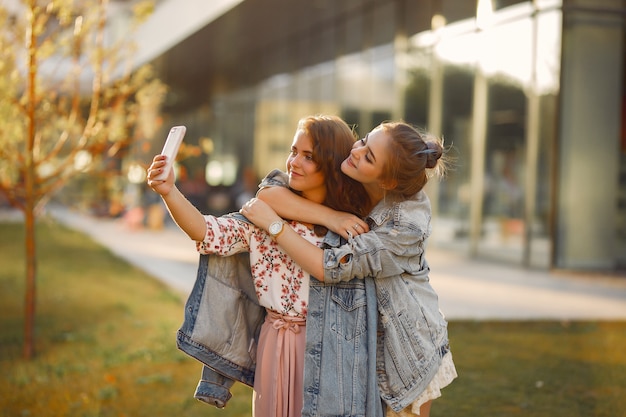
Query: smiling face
x=304 y=174
x=367 y=160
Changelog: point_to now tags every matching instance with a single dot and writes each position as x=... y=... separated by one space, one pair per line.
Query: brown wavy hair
x=332 y=141
x=413 y=158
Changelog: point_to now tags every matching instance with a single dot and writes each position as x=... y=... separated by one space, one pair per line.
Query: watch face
x=276 y=227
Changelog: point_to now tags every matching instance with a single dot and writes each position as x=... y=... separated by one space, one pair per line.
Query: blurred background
x=529 y=224
x=528 y=95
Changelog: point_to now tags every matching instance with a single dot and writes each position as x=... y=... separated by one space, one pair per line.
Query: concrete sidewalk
x=468 y=289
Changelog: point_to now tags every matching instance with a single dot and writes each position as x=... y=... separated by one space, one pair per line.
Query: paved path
x=167 y=254
x=468 y=289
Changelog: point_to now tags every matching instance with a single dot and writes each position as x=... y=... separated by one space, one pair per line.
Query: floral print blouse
x=281 y=285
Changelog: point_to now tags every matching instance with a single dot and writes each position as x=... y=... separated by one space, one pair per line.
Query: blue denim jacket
x=340 y=358
x=222 y=323
x=413 y=332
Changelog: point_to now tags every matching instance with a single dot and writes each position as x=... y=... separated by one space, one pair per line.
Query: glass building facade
x=529 y=97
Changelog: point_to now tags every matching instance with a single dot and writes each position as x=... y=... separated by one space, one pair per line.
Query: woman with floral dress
x=282 y=286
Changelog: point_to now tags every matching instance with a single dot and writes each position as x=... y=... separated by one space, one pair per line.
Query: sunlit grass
x=106 y=347
x=105 y=336
x=537 y=369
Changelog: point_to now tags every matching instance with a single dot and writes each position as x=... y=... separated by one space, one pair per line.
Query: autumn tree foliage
x=70 y=98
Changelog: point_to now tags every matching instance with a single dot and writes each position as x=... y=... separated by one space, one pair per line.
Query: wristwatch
x=276 y=228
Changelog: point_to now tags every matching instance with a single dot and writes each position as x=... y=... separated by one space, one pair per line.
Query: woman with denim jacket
x=414 y=360
x=282 y=286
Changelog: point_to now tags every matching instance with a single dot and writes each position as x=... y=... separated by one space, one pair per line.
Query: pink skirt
x=278 y=380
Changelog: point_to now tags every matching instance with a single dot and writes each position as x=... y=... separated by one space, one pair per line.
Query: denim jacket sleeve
x=393 y=246
x=276 y=178
x=213 y=388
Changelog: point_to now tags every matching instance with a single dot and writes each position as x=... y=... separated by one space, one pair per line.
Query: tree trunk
x=30 y=196
x=31 y=281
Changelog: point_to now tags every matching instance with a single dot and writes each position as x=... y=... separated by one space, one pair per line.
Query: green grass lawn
x=105 y=336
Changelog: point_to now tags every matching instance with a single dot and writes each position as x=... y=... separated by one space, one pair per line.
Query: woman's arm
x=307 y=255
x=185 y=214
x=291 y=206
x=383 y=253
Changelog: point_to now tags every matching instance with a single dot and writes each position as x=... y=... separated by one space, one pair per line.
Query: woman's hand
x=347 y=225
x=163 y=187
x=259 y=213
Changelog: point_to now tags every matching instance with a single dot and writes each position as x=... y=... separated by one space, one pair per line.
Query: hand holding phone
x=170 y=149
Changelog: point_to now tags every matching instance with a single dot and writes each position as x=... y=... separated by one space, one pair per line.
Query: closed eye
x=368 y=156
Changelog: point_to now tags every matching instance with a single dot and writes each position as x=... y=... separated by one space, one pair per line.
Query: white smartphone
x=170 y=149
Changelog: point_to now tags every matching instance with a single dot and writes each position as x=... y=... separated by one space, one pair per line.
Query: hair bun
x=436 y=150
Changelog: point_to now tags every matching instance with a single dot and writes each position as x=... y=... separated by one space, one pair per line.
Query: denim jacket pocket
x=348 y=308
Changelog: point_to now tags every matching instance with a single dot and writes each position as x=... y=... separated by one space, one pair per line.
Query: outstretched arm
x=291 y=206
x=185 y=214
x=304 y=253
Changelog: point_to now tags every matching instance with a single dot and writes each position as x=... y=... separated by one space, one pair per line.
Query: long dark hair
x=332 y=141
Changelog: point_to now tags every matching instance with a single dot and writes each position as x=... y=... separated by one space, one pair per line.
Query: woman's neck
x=375 y=193
x=315 y=197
